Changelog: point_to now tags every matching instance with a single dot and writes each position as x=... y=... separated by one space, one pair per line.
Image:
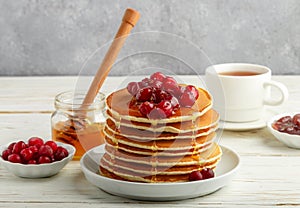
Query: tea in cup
x=240 y=91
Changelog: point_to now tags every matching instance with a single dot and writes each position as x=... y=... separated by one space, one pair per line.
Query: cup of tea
x=240 y=90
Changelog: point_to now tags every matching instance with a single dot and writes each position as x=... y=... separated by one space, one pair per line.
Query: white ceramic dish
x=225 y=171
x=40 y=170
x=245 y=126
x=289 y=140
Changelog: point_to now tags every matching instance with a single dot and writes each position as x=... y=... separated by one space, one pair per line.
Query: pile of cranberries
x=205 y=173
x=160 y=96
x=34 y=152
x=288 y=124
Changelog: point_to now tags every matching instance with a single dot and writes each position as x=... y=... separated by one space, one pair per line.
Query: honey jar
x=77 y=124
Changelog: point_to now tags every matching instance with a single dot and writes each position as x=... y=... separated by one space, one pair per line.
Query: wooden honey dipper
x=129 y=20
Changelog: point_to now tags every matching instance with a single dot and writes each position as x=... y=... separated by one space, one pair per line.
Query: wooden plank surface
x=268 y=176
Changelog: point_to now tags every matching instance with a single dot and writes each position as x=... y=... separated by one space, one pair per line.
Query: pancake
x=146 y=135
x=118 y=104
x=158 y=150
x=156 y=169
x=208 y=119
x=159 y=145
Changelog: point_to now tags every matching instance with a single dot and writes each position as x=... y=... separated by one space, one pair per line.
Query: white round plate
x=225 y=171
x=245 y=126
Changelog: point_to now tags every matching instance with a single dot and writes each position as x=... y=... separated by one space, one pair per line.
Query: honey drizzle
x=195 y=154
x=154 y=159
x=116 y=144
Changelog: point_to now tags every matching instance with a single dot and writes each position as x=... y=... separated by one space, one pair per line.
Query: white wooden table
x=269 y=174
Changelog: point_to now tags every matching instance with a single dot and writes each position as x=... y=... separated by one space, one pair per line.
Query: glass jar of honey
x=77 y=124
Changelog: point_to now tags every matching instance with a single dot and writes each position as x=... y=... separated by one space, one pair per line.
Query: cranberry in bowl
x=286 y=128
x=35 y=158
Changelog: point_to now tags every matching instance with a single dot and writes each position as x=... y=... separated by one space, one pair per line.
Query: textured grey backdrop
x=56 y=36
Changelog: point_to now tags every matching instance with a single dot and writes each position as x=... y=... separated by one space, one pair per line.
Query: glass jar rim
x=72 y=100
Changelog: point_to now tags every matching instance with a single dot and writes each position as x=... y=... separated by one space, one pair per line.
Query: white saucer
x=244 y=126
x=225 y=171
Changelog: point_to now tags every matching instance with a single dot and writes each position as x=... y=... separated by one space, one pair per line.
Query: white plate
x=225 y=171
x=244 y=126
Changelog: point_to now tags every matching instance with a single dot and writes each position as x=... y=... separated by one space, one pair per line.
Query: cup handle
x=282 y=89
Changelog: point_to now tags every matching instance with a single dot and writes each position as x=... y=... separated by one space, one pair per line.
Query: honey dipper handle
x=129 y=20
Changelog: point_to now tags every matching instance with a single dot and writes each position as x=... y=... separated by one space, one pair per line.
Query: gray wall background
x=55 y=37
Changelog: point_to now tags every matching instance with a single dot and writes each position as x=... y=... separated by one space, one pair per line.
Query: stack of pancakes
x=163 y=150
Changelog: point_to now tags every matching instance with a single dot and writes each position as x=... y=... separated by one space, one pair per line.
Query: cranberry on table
x=35 y=151
x=52 y=144
x=44 y=159
x=32 y=162
x=18 y=147
x=20 y=152
x=296 y=119
x=46 y=151
x=35 y=141
x=26 y=155
x=11 y=146
x=60 y=153
x=6 y=153
x=288 y=124
x=14 y=158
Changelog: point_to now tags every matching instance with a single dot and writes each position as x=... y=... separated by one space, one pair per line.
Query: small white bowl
x=38 y=170
x=290 y=140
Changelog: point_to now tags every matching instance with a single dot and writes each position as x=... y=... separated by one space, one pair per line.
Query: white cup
x=240 y=97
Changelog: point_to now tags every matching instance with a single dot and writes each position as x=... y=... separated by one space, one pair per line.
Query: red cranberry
x=195 y=176
x=18 y=147
x=156 y=84
x=6 y=153
x=157 y=113
x=146 y=107
x=172 y=88
x=207 y=173
x=26 y=154
x=14 y=158
x=32 y=162
x=193 y=90
x=296 y=120
x=44 y=159
x=133 y=88
x=35 y=151
x=285 y=119
x=187 y=99
x=35 y=141
x=52 y=144
x=144 y=94
x=170 y=80
x=160 y=95
x=158 y=76
x=175 y=103
x=45 y=150
x=11 y=146
x=166 y=107
x=60 y=153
